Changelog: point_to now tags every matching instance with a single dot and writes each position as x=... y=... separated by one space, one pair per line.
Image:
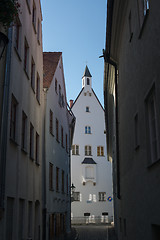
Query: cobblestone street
x=95 y=232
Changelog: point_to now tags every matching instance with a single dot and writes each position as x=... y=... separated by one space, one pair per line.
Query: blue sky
x=77 y=29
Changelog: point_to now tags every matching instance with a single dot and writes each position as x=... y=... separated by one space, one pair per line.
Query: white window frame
x=75 y=149
x=88 y=150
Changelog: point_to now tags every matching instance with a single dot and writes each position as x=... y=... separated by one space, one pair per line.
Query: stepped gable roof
x=88 y=161
x=50 y=62
x=86 y=72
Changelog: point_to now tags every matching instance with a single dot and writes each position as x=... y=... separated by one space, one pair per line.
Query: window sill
x=37 y=163
x=131 y=36
x=32 y=158
x=28 y=7
x=143 y=24
x=38 y=42
x=51 y=189
x=38 y=101
x=51 y=134
x=34 y=27
x=154 y=163
x=24 y=150
x=18 y=54
x=33 y=89
x=12 y=140
x=136 y=147
x=57 y=140
x=26 y=73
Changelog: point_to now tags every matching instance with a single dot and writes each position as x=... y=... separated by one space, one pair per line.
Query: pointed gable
x=86 y=72
x=50 y=62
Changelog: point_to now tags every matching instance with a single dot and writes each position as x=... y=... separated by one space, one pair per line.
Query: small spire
x=86 y=72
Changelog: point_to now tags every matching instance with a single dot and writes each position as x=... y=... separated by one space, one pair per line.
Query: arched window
x=88 y=81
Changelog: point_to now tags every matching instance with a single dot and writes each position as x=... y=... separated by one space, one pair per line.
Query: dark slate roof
x=86 y=72
x=88 y=161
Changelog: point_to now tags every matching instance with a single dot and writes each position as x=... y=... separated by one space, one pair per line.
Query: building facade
x=58 y=127
x=21 y=146
x=132 y=94
x=90 y=170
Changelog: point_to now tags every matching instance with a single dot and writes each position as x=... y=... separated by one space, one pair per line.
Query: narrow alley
x=95 y=232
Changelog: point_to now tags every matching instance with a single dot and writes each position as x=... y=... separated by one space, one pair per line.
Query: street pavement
x=95 y=232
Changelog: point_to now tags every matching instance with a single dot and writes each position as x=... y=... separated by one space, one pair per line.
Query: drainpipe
x=108 y=60
x=4 y=123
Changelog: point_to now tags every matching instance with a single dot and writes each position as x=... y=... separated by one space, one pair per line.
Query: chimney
x=70 y=103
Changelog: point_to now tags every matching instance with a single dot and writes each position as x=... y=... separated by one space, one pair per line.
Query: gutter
x=5 y=118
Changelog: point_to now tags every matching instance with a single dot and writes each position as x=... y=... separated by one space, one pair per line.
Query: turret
x=87 y=78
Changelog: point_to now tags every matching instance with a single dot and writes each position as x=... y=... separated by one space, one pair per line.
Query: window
x=57 y=130
x=136 y=131
x=62 y=181
x=75 y=149
x=21 y=218
x=37 y=149
x=102 y=196
x=57 y=179
x=34 y=16
x=26 y=55
x=30 y=215
x=89 y=172
x=50 y=176
x=28 y=5
x=67 y=183
x=143 y=6
x=10 y=217
x=51 y=122
x=87 y=214
x=66 y=143
x=31 y=149
x=60 y=98
x=130 y=27
x=87 y=130
x=13 y=118
x=152 y=126
x=100 y=151
x=62 y=144
x=38 y=31
x=56 y=85
x=88 y=81
x=125 y=229
x=24 y=132
x=33 y=74
x=88 y=150
x=87 y=109
x=18 y=35
x=38 y=88
x=76 y=196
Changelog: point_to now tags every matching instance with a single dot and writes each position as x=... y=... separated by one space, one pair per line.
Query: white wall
x=103 y=177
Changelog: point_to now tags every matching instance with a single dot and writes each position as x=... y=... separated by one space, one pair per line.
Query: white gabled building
x=90 y=169
x=59 y=123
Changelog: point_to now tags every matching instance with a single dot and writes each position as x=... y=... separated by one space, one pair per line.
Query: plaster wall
x=89 y=198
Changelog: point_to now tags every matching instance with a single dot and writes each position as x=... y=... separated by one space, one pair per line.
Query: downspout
x=44 y=204
x=4 y=123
